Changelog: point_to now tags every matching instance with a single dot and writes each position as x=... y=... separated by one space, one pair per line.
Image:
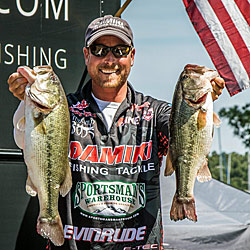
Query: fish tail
x=182 y=209
x=51 y=229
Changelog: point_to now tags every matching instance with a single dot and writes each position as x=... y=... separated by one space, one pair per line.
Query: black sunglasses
x=118 y=51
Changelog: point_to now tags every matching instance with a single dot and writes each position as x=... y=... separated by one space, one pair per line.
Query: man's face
x=108 y=71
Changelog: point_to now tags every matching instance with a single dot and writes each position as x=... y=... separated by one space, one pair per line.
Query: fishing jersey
x=114 y=202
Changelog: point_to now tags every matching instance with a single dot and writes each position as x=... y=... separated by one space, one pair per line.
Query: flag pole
x=220 y=159
x=248 y=161
x=124 y=6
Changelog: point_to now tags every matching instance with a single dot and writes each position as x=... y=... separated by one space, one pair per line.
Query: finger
x=17 y=87
x=27 y=73
x=19 y=92
x=17 y=84
x=214 y=96
x=13 y=77
x=16 y=80
x=216 y=88
x=219 y=82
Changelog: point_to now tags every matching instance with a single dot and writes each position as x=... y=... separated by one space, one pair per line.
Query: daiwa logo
x=107 y=155
x=109 y=198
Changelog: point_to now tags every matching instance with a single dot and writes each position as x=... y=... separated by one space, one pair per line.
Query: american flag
x=224 y=29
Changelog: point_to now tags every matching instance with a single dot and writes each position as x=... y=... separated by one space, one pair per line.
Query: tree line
x=239 y=119
x=238 y=172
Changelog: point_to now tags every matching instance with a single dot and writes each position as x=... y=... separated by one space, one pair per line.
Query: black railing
x=11 y=155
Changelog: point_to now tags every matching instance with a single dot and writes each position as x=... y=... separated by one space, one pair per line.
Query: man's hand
x=218 y=84
x=18 y=80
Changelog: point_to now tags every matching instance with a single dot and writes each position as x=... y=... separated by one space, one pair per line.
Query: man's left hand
x=218 y=85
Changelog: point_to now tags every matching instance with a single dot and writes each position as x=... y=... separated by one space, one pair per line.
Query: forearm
x=19 y=125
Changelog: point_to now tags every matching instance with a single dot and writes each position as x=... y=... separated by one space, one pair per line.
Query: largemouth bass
x=191 y=132
x=47 y=127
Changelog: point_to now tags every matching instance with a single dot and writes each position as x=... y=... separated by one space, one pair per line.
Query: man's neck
x=117 y=94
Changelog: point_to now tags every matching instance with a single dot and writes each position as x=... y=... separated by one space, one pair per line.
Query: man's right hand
x=18 y=80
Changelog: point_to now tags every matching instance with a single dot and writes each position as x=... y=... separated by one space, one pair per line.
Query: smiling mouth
x=109 y=71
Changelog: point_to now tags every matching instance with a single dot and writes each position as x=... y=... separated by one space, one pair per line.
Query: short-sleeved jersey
x=114 y=202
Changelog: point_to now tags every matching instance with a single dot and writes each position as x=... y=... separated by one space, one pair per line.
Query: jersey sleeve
x=19 y=125
x=162 y=126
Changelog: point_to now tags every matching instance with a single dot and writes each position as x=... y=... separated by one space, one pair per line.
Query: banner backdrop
x=40 y=32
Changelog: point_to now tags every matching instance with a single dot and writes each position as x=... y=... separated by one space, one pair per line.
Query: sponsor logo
x=126 y=120
x=141 y=247
x=106 y=155
x=109 y=198
x=88 y=169
x=80 y=105
x=104 y=234
x=82 y=128
x=109 y=22
x=140 y=107
x=148 y=115
x=56 y=9
x=78 y=109
x=24 y=54
x=124 y=170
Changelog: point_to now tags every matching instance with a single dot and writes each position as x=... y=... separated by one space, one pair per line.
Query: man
x=118 y=139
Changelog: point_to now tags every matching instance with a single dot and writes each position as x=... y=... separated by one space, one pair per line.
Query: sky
x=165 y=41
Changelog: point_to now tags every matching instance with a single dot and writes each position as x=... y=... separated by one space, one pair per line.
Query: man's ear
x=86 y=55
x=132 y=56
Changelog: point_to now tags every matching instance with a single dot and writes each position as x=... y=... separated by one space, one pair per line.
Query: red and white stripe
x=224 y=28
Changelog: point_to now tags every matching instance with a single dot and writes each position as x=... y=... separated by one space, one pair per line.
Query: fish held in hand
x=47 y=128
x=191 y=132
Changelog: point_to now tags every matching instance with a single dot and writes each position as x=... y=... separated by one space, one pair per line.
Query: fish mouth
x=39 y=105
x=42 y=107
x=198 y=69
x=36 y=101
x=199 y=101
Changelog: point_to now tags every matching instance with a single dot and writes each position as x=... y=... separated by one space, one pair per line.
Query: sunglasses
x=118 y=51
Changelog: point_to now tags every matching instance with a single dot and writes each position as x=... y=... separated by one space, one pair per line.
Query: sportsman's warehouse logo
x=109 y=198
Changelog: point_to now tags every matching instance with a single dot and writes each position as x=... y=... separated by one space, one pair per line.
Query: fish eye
x=184 y=77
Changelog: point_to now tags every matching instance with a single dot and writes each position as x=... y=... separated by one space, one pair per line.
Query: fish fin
x=44 y=128
x=30 y=188
x=204 y=173
x=169 y=166
x=21 y=124
x=201 y=119
x=51 y=229
x=216 y=120
x=183 y=209
x=67 y=183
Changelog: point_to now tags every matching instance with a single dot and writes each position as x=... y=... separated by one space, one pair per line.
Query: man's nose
x=110 y=57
